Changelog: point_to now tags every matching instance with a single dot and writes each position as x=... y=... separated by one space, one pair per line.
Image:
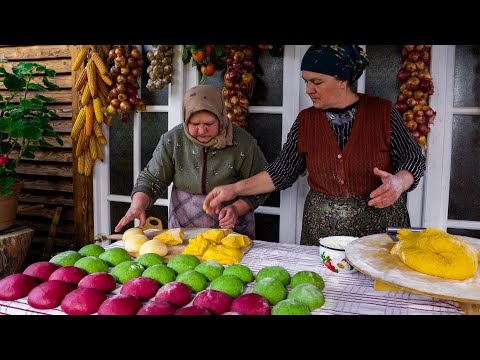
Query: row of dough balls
x=137 y=243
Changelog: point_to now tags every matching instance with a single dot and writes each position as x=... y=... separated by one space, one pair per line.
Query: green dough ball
x=91 y=250
x=290 y=307
x=310 y=277
x=183 y=262
x=162 y=273
x=150 y=259
x=194 y=280
x=229 y=284
x=276 y=272
x=66 y=258
x=115 y=256
x=271 y=289
x=242 y=271
x=309 y=294
x=211 y=269
x=127 y=270
x=91 y=264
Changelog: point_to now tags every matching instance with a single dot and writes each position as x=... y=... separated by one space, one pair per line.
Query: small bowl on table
x=332 y=252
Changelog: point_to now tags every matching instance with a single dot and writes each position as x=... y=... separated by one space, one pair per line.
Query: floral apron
x=328 y=216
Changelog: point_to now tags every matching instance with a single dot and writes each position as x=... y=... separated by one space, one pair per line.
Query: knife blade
x=392 y=231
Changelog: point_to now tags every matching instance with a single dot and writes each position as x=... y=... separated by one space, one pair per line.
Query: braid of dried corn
x=89 y=114
x=97 y=129
x=99 y=150
x=97 y=59
x=97 y=107
x=86 y=96
x=81 y=140
x=82 y=55
x=107 y=120
x=92 y=78
x=81 y=164
x=92 y=148
x=88 y=164
x=81 y=81
x=78 y=125
x=102 y=87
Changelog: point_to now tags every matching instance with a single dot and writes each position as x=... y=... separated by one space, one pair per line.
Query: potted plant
x=24 y=124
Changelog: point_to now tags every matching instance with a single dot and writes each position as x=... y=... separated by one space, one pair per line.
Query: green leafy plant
x=24 y=119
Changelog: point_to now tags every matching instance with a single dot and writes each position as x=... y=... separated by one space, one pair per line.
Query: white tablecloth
x=345 y=294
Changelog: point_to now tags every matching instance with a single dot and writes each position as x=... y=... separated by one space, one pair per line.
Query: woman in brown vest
x=360 y=157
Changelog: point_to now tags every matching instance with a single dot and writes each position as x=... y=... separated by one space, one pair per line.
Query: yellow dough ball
x=132 y=231
x=153 y=246
x=436 y=252
x=133 y=242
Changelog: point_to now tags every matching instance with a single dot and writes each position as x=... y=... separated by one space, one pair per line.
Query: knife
x=392 y=231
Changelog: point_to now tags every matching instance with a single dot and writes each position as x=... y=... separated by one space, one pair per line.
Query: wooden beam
x=25 y=53
x=39 y=199
x=64 y=81
x=61 y=125
x=60 y=96
x=44 y=169
x=42 y=184
x=65 y=229
x=48 y=155
x=61 y=66
x=47 y=213
x=82 y=185
x=62 y=110
x=67 y=141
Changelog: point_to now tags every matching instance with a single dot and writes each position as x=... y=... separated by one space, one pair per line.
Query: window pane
x=467 y=78
x=267 y=227
x=267 y=129
x=268 y=89
x=121 y=156
x=117 y=211
x=156 y=97
x=154 y=125
x=464 y=203
x=216 y=79
x=381 y=73
x=464 y=232
x=160 y=212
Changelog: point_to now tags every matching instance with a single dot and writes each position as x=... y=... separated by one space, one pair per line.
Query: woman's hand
x=217 y=196
x=391 y=189
x=227 y=217
x=136 y=211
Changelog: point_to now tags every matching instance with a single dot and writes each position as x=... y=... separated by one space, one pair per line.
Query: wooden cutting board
x=178 y=249
x=371 y=256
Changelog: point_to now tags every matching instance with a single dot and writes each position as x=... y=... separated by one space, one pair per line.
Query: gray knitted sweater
x=197 y=169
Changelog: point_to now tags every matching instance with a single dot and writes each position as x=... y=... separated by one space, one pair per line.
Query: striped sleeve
x=289 y=164
x=406 y=152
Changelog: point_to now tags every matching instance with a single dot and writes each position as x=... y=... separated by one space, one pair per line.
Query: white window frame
x=185 y=77
x=439 y=152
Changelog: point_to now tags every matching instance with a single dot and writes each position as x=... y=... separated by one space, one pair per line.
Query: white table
x=345 y=294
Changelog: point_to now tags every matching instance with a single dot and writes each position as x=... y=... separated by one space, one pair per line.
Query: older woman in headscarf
x=360 y=158
x=207 y=150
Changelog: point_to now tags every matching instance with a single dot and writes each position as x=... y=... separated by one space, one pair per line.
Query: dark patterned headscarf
x=344 y=62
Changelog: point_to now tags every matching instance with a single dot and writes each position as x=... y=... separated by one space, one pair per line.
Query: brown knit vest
x=349 y=172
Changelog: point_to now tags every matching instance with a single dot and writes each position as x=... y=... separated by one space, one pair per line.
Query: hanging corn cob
x=93 y=85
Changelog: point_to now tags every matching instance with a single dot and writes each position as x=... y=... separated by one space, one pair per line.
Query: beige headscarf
x=207 y=97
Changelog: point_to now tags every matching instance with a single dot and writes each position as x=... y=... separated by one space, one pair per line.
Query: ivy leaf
x=5 y=122
x=13 y=83
x=49 y=84
x=31 y=104
x=37 y=87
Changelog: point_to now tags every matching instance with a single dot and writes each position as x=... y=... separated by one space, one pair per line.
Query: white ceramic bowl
x=332 y=252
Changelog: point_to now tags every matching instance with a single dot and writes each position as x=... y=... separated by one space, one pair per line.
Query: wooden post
x=82 y=185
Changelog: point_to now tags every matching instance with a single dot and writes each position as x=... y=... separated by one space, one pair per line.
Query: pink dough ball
x=175 y=292
x=70 y=274
x=157 y=307
x=41 y=270
x=142 y=287
x=83 y=301
x=251 y=304
x=120 y=304
x=49 y=294
x=214 y=301
x=100 y=280
x=16 y=286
